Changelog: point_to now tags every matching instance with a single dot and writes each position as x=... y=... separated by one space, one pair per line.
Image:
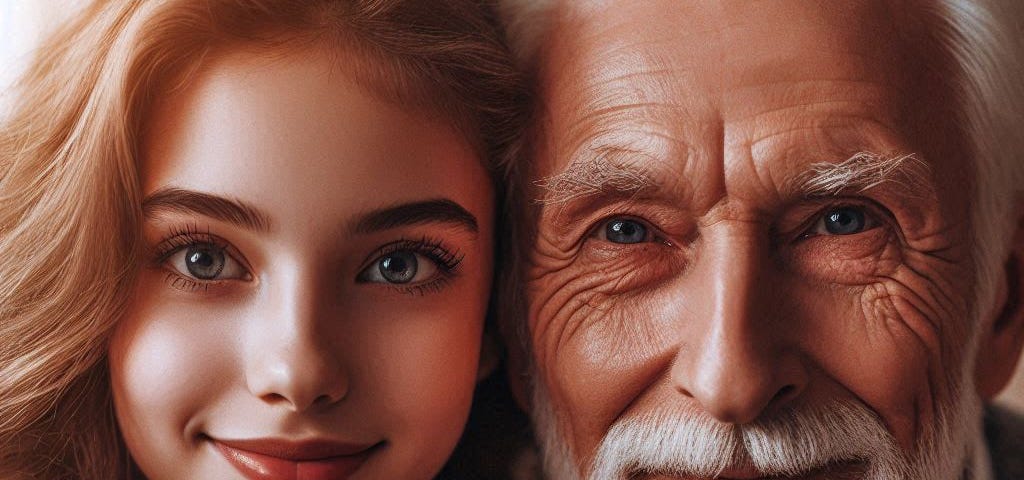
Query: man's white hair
x=985 y=40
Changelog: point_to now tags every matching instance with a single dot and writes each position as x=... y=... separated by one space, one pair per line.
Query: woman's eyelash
x=446 y=259
x=422 y=289
x=188 y=235
x=184 y=283
x=183 y=236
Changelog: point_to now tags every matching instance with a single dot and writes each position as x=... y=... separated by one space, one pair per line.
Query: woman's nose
x=290 y=357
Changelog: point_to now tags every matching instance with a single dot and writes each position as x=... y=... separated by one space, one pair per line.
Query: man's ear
x=1003 y=338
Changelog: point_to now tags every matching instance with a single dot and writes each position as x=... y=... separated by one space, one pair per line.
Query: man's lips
x=277 y=459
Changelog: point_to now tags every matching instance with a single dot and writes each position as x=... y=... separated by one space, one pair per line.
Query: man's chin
x=836 y=471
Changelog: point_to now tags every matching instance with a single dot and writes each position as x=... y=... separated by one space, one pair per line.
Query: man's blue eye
x=625 y=231
x=844 y=221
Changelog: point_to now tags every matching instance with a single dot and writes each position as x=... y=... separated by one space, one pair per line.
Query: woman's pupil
x=204 y=263
x=399 y=267
x=202 y=259
x=394 y=265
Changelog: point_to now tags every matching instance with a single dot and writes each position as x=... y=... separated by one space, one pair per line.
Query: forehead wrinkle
x=633 y=91
x=622 y=71
x=617 y=112
x=792 y=100
x=832 y=155
x=622 y=157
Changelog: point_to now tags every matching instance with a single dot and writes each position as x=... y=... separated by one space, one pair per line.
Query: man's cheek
x=930 y=295
x=595 y=272
x=606 y=356
x=844 y=260
x=604 y=324
x=860 y=339
x=602 y=298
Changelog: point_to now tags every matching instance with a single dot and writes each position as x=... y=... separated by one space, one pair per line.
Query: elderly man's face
x=753 y=215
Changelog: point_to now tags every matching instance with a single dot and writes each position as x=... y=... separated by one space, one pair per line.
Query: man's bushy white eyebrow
x=866 y=170
x=596 y=175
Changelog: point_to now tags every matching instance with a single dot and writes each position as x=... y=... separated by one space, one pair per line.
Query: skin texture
x=293 y=343
x=738 y=303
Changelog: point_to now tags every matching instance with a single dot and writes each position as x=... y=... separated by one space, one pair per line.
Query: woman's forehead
x=297 y=136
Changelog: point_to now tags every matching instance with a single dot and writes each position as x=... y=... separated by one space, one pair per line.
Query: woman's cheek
x=421 y=370
x=167 y=362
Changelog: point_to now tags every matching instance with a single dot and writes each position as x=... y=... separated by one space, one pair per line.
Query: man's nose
x=741 y=362
x=290 y=359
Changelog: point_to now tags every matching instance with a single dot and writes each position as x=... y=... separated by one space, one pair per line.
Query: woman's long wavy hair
x=69 y=189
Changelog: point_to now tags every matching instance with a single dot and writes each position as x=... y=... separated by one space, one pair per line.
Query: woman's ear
x=1000 y=345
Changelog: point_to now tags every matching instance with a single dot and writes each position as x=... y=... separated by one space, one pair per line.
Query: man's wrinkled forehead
x=616 y=62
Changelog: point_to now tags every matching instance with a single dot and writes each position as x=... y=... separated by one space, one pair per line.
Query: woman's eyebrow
x=440 y=210
x=189 y=201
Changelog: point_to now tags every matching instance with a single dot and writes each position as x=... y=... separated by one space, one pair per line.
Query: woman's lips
x=273 y=459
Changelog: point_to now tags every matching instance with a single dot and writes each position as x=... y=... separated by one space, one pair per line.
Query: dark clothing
x=496 y=435
x=1004 y=433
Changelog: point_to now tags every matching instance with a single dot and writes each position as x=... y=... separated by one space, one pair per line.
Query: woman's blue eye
x=626 y=231
x=400 y=267
x=844 y=221
x=204 y=262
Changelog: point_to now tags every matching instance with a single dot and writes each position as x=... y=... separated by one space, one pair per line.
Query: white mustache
x=791 y=443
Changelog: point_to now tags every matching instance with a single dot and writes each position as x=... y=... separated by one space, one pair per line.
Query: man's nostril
x=784 y=393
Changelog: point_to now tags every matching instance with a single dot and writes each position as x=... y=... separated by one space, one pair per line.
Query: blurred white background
x=24 y=22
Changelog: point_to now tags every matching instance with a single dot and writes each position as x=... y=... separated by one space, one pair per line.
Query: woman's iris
x=398 y=267
x=205 y=262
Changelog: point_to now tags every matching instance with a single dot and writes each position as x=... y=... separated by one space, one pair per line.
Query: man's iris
x=625 y=231
x=844 y=221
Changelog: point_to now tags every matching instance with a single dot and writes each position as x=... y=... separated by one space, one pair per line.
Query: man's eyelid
x=809 y=227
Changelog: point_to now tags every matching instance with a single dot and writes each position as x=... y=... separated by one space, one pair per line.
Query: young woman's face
x=318 y=268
